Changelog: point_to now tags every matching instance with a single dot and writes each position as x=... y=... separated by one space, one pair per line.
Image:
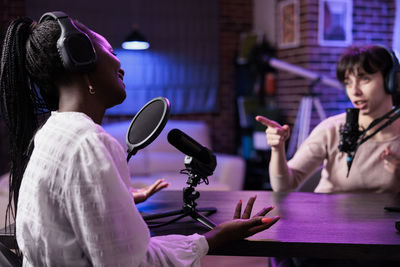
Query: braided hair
x=30 y=72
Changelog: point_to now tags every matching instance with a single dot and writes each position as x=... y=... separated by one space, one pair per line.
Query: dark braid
x=17 y=105
x=29 y=58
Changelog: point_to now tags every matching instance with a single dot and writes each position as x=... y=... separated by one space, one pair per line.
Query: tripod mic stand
x=189 y=207
x=301 y=126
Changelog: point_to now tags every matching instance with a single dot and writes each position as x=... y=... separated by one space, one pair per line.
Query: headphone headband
x=54 y=15
x=74 y=46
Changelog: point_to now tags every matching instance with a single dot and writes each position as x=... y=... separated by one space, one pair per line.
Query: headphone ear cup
x=391 y=82
x=76 y=52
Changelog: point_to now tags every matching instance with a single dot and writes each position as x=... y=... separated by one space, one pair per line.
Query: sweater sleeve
x=308 y=157
x=104 y=216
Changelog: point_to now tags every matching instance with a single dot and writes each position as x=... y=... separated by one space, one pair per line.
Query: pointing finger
x=267 y=122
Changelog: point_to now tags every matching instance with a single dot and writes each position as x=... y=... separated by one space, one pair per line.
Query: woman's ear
x=89 y=85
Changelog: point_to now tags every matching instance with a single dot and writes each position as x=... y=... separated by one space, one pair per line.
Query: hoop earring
x=91 y=90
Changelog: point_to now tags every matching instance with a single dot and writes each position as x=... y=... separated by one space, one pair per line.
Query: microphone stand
x=189 y=207
x=302 y=72
x=301 y=126
x=391 y=116
x=396 y=114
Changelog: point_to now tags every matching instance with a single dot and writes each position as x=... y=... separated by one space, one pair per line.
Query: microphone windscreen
x=352 y=119
x=349 y=132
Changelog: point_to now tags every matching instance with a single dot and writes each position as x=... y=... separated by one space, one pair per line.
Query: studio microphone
x=349 y=135
x=189 y=146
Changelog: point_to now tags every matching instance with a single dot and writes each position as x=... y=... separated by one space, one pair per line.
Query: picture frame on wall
x=335 y=22
x=288 y=26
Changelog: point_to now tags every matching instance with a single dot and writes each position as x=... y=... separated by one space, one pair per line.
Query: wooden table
x=341 y=226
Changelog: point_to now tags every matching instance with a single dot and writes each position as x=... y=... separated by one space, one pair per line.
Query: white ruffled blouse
x=75 y=206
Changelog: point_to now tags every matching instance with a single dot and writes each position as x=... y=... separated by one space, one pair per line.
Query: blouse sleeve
x=104 y=216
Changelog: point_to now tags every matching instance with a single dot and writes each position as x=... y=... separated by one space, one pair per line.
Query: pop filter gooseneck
x=147 y=124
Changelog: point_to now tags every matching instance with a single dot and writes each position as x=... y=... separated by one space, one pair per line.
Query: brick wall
x=372 y=23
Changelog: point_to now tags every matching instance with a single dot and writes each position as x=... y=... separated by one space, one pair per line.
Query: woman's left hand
x=140 y=195
x=391 y=161
x=241 y=226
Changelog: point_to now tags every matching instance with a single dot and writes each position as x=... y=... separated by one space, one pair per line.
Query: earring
x=91 y=90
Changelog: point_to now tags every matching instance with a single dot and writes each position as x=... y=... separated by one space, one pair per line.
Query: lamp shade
x=135 y=41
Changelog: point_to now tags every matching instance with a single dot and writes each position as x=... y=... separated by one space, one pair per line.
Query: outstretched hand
x=241 y=226
x=140 y=195
x=275 y=133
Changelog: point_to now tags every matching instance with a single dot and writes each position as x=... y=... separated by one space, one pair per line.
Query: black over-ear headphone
x=74 y=46
x=392 y=77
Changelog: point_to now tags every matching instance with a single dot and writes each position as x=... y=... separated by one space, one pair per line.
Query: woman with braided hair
x=69 y=179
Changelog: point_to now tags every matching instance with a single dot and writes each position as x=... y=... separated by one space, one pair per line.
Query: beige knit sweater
x=367 y=173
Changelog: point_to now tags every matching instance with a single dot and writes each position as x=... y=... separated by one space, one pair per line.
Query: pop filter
x=147 y=124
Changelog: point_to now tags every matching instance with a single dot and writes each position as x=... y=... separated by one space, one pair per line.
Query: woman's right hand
x=275 y=133
x=241 y=226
